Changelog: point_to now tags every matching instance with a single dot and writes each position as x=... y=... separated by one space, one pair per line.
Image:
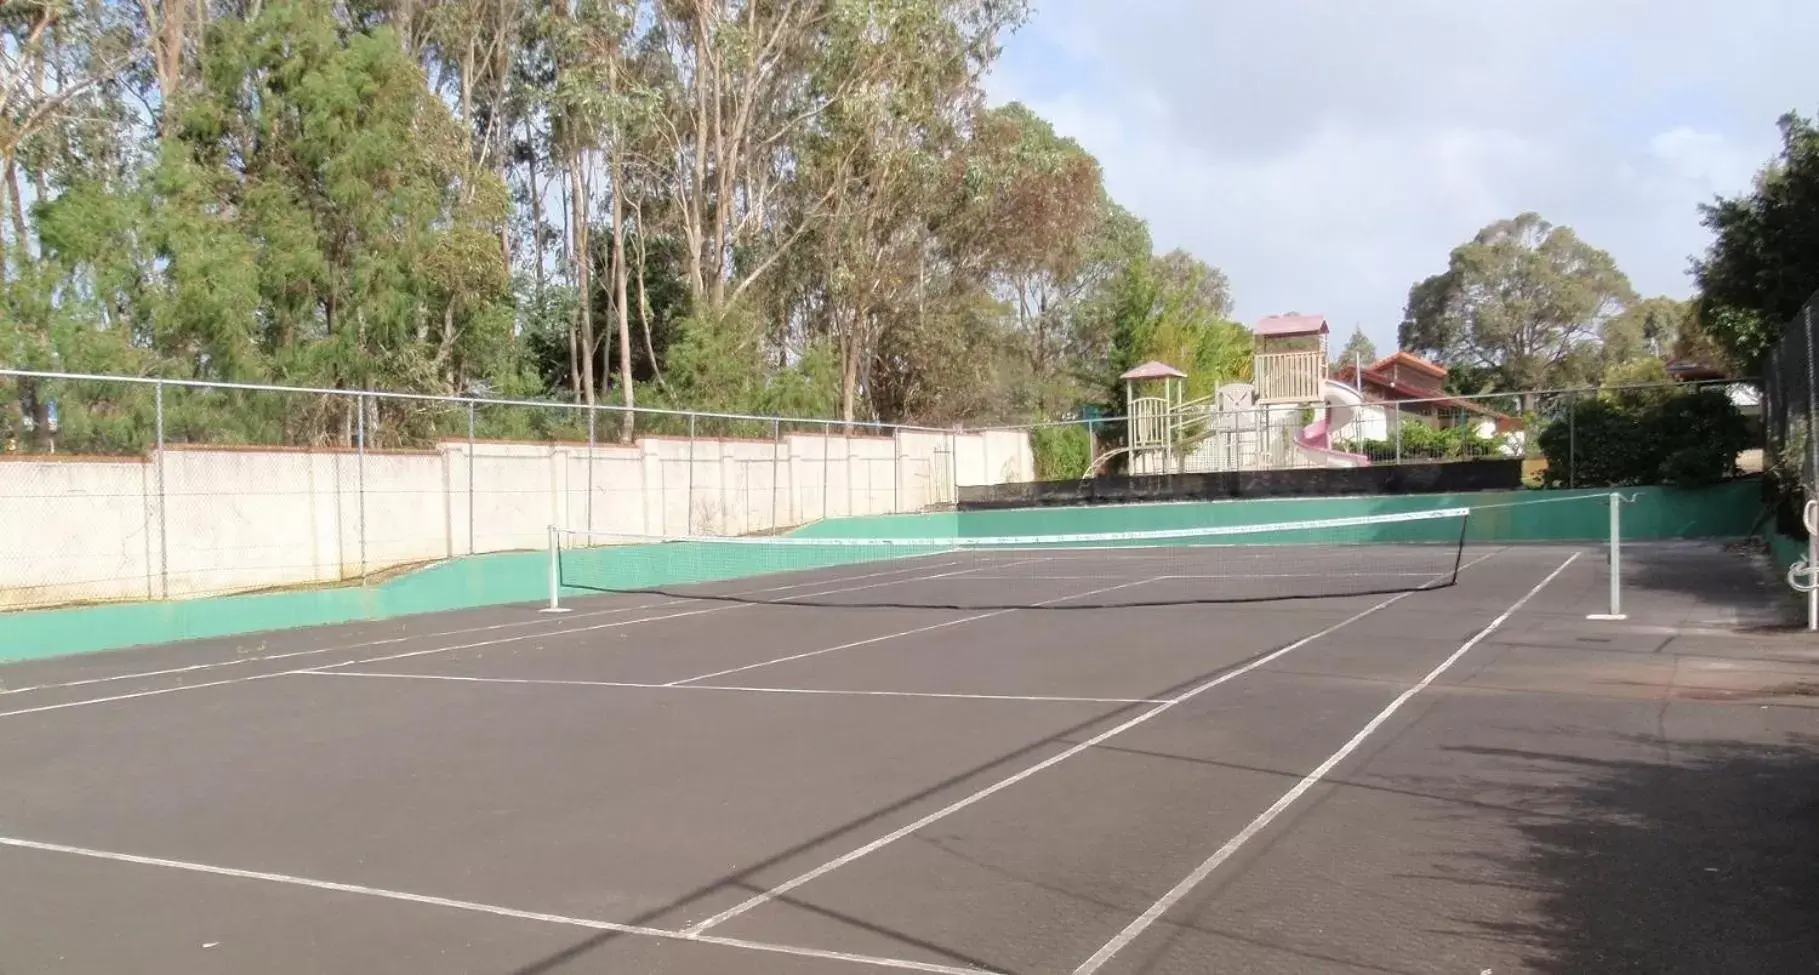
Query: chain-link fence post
x=776 y=472
x=897 y=471
x=1812 y=466
x=1398 y=413
x=164 y=555
x=360 y=474
x=827 y=467
x=953 y=467
x=471 y=447
x=591 y=411
x=688 y=497
x=1572 y=440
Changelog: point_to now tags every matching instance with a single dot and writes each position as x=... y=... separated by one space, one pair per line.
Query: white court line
x=901 y=964
x=765 y=897
x=749 y=690
x=1224 y=853
x=591 y=614
x=542 y=634
x=1231 y=575
x=902 y=633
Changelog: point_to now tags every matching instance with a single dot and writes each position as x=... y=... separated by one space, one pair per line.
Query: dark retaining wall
x=1446 y=477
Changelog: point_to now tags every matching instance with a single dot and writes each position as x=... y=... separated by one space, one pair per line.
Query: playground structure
x=1289 y=415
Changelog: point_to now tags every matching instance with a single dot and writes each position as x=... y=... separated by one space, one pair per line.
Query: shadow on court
x=741 y=882
x=1704 y=860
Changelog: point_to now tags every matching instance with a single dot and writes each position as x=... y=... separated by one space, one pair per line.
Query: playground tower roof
x=1276 y=326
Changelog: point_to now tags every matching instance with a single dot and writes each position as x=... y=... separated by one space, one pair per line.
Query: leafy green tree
x=1763 y=262
x=1358 y=348
x=1524 y=298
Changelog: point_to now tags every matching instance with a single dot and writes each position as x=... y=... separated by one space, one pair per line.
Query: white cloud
x=1329 y=154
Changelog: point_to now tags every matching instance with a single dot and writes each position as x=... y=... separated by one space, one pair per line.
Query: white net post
x=1811 y=481
x=1616 y=561
x=555 y=572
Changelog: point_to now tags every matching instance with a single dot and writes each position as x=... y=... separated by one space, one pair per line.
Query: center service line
x=758 y=900
x=1258 y=825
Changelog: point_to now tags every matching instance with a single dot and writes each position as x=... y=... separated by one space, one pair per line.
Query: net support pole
x=164 y=556
x=555 y=573
x=360 y=476
x=1811 y=481
x=688 y=497
x=470 y=478
x=1616 y=561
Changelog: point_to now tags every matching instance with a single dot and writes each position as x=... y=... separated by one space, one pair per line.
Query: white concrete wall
x=80 y=529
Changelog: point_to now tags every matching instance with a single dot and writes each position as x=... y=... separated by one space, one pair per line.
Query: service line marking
x=1258 y=825
x=765 y=897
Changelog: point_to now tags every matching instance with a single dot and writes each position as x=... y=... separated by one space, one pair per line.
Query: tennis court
x=934 y=764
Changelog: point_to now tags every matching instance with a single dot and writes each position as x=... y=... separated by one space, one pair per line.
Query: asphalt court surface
x=1464 y=779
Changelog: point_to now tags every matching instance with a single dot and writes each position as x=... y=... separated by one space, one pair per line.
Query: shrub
x=1610 y=441
x=1062 y=453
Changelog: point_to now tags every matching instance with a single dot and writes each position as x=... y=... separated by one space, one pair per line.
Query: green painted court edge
x=1656 y=513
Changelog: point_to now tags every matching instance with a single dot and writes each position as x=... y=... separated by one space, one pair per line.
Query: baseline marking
x=724 y=607
x=902 y=633
x=767 y=896
x=479 y=908
x=748 y=690
x=1224 y=853
x=266 y=658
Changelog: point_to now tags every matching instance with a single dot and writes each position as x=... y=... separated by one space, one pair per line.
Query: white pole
x=555 y=572
x=1812 y=558
x=1616 y=560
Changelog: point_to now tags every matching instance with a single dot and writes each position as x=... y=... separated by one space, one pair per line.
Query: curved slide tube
x=1316 y=439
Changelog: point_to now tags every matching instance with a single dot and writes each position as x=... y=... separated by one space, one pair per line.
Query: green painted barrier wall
x=511 y=577
x=1724 y=511
x=1656 y=513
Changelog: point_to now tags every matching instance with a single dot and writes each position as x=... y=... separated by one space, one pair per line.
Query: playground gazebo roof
x=1154 y=370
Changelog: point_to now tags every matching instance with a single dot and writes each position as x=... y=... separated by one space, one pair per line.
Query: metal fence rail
x=134 y=488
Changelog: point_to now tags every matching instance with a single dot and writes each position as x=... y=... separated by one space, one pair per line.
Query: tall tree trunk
x=17 y=206
x=536 y=193
x=723 y=173
x=849 y=370
x=584 y=260
x=644 y=301
x=617 y=177
x=694 y=212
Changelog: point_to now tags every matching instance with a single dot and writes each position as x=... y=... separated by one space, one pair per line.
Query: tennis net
x=1217 y=564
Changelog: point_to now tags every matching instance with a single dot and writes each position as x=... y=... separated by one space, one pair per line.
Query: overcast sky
x=1327 y=154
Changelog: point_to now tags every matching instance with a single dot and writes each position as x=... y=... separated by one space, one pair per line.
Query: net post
x=164 y=556
x=1812 y=465
x=1616 y=561
x=591 y=411
x=360 y=476
x=688 y=501
x=776 y=472
x=470 y=478
x=555 y=573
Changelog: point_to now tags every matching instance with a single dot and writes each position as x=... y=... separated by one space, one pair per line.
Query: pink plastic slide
x=1316 y=439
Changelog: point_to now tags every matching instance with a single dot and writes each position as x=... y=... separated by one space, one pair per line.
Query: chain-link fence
x=1789 y=408
x=115 y=488
x=1540 y=429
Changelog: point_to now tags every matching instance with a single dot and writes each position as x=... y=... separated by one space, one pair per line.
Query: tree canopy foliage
x=790 y=205
x=1524 y=300
x=1763 y=262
